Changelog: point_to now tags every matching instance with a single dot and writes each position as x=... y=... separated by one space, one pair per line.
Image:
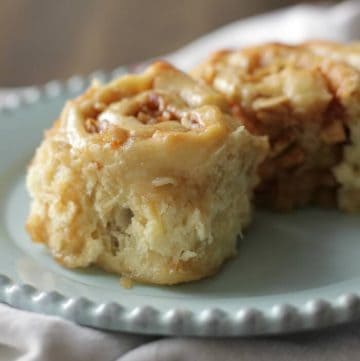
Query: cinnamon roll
x=149 y=177
x=308 y=106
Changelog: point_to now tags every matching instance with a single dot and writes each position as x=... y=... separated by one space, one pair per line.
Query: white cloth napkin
x=27 y=336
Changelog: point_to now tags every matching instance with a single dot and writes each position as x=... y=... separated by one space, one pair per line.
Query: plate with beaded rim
x=296 y=271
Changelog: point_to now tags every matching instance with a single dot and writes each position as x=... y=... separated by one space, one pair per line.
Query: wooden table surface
x=49 y=39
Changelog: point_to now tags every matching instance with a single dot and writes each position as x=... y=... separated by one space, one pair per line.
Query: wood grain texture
x=45 y=39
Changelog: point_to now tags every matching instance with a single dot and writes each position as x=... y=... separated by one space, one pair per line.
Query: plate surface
x=294 y=272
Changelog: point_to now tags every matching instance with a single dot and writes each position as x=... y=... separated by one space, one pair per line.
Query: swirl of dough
x=160 y=101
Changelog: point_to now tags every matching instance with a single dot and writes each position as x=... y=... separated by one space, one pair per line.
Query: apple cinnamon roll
x=149 y=176
x=308 y=106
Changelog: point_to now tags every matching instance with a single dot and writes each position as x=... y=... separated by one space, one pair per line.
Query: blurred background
x=51 y=39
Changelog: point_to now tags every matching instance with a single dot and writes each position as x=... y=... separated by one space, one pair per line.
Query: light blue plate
x=294 y=272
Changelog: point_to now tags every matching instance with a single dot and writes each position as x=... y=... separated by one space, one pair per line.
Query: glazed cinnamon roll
x=148 y=176
x=308 y=106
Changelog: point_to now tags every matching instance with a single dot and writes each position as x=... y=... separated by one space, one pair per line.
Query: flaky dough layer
x=307 y=103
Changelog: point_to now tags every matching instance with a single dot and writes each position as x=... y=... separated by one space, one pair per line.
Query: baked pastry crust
x=308 y=106
x=148 y=176
x=347 y=53
x=347 y=172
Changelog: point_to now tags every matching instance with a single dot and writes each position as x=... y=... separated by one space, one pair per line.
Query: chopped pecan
x=282 y=142
x=334 y=132
x=294 y=157
x=91 y=125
